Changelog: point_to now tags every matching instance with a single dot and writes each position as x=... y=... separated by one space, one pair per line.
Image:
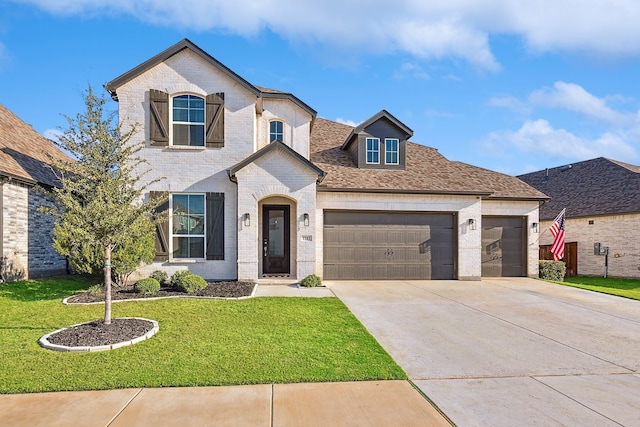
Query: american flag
x=557 y=230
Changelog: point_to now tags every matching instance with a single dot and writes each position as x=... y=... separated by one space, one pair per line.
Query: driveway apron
x=503 y=352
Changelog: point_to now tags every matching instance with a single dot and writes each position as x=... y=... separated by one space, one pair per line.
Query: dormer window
x=276 y=130
x=391 y=150
x=188 y=120
x=373 y=150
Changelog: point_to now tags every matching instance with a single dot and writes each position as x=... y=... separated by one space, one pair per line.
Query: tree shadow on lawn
x=44 y=289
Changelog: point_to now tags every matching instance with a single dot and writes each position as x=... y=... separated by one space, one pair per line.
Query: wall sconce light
x=305 y=219
x=247 y=219
x=472 y=224
x=535 y=226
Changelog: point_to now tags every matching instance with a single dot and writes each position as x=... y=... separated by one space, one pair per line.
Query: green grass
x=201 y=342
x=629 y=288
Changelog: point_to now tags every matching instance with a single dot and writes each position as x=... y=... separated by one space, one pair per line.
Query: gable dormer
x=379 y=142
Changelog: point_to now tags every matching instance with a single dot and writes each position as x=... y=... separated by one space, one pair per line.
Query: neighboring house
x=602 y=198
x=25 y=234
x=259 y=187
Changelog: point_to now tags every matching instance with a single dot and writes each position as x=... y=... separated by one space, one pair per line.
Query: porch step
x=275 y=280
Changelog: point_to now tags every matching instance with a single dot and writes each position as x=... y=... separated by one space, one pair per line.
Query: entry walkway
x=376 y=403
x=505 y=352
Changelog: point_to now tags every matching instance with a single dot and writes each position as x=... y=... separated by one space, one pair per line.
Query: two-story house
x=260 y=187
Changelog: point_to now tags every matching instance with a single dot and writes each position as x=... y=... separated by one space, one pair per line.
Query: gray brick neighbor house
x=25 y=233
x=262 y=188
x=602 y=198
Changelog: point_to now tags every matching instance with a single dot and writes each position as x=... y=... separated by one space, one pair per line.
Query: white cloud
x=539 y=137
x=575 y=98
x=411 y=69
x=52 y=134
x=346 y=122
x=510 y=103
x=437 y=29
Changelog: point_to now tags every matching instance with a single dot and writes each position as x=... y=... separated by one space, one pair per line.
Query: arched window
x=276 y=130
x=188 y=120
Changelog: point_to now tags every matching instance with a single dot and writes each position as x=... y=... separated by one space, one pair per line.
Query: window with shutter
x=215 y=226
x=158 y=117
x=188 y=225
x=215 y=120
x=196 y=225
x=162 y=229
x=188 y=120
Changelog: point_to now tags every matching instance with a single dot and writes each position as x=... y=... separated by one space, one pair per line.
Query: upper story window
x=373 y=150
x=391 y=151
x=188 y=120
x=276 y=130
x=188 y=225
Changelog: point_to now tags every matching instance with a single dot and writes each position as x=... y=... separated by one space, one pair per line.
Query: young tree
x=99 y=201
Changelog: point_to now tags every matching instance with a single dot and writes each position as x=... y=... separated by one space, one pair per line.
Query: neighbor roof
x=23 y=151
x=598 y=186
x=427 y=171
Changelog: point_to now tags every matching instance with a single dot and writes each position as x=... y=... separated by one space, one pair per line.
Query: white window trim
x=171 y=235
x=276 y=119
x=366 y=149
x=397 y=151
x=171 y=123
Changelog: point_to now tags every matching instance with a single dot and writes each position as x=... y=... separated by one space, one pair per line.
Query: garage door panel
x=503 y=247
x=385 y=245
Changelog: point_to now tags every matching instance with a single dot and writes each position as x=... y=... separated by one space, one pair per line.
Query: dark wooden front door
x=275 y=239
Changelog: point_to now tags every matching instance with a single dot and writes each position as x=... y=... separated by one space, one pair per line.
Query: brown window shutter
x=159 y=117
x=162 y=228
x=215 y=226
x=215 y=120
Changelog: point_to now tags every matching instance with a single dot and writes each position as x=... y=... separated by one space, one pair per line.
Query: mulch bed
x=97 y=333
x=214 y=289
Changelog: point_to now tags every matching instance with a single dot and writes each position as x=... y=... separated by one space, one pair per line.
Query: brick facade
x=276 y=176
x=620 y=233
x=27 y=234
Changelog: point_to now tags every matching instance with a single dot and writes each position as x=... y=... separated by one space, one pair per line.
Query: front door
x=275 y=239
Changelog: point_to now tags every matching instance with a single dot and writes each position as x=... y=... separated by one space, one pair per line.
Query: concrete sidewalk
x=375 y=403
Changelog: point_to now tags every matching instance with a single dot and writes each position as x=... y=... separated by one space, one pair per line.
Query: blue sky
x=506 y=85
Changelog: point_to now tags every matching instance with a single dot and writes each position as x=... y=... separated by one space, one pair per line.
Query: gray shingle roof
x=23 y=151
x=598 y=186
x=427 y=171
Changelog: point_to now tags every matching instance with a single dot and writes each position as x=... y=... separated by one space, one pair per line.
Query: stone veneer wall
x=621 y=233
x=27 y=234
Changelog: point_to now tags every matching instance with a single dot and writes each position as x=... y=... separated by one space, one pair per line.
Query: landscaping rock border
x=44 y=341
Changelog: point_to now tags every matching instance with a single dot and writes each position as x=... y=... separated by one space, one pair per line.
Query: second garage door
x=383 y=245
x=503 y=246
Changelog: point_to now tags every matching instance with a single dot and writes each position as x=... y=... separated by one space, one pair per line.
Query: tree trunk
x=107 y=285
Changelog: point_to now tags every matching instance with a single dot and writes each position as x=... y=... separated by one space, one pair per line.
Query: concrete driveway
x=505 y=352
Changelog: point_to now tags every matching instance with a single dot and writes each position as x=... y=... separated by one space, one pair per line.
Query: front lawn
x=629 y=288
x=201 y=342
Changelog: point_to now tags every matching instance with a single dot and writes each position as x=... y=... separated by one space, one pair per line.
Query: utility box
x=596 y=248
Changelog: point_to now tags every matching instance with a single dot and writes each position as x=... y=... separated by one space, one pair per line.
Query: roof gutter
x=323 y=189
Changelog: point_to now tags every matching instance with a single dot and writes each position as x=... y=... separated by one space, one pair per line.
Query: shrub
x=149 y=286
x=97 y=289
x=177 y=277
x=311 y=281
x=161 y=276
x=191 y=283
x=552 y=270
